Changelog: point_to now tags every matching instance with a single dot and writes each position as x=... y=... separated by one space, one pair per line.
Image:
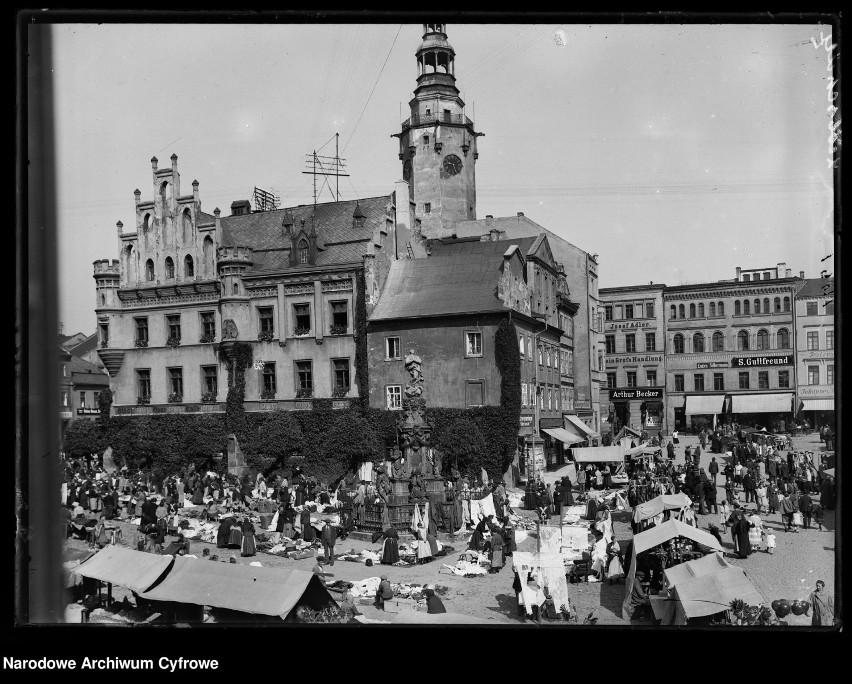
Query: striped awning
x=565 y=436
x=704 y=405
x=761 y=403
x=817 y=404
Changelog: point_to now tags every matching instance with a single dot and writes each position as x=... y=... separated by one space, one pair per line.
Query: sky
x=674 y=152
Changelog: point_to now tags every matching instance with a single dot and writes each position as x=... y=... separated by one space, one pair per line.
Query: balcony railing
x=427 y=119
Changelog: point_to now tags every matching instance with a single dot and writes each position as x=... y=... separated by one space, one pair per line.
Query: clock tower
x=437 y=143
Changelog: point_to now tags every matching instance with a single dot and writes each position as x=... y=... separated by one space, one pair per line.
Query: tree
x=350 y=441
x=272 y=443
x=464 y=447
x=83 y=438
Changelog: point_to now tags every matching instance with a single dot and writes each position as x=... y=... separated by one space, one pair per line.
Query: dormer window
x=303 y=252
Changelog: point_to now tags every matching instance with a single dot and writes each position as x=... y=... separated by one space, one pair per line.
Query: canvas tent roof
x=669 y=530
x=713 y=593
x=599 y=454
x=712 y=562
x=655 y=506
x=580 y=425
x=243 y=588
x=135 y=570
x=565 y=435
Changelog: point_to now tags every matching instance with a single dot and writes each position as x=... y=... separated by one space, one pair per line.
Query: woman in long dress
x=498 y=560
x=247 y=547
x=614 y=568
x=308 y=531
x=390 y=546
x=755 y=531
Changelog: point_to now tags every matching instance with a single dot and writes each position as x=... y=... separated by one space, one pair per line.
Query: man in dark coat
x=149 y=512
x=713 y=468
x=383 y=593
x=670 y=450
x=328 y=537
x=806 y=507
x=748 y=486
x=224 y=532
x=710 y=497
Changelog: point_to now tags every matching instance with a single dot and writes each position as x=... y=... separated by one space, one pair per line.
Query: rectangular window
x=141 y=329
x=339 y=318
x=540 y=356
x=547 y=357
x=829 y=375
x=811 y=309
x=208 y=324
x=650 y=341
x=744 y=380
x=549 y=398
x=104 y=327
x=762 y=379
x=813 y=375
x=610 y=380
x=630 y=342
x=678 y=383
x=341 y=374
x=610 y=344
x=829 y=339
x=392 y=348
x=523 y=394
x=173 y=323
x=425 y=139
x=521 y=346
x=608 y=313
x=649 y=310
x=393 y=395
x=427 y=207
x=529 y=348
x=651 y=378
x=176 y=381
x=82 y=400
x=698 y=379
x=628 y=311
x=264 y=314
x=783 y=378
x=473 y=393
x=269 y=384
x=618 y=315
x=64 y=398
x=829 y=307
x=718 y=381
x=813 y=340
x=304 y=378
x=473 y=345
x=210 y=380
x=143 y=382
x=631 y=378
x=302 y=319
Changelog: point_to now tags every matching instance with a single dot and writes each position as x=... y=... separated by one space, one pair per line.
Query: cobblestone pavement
x=799 y=560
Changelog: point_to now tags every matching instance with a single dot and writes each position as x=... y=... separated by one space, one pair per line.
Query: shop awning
x=761 y=403
x=599 y=455
x=564 y=435
x=581 y=426
x=135 y=570
x=704 y=405
x=817 y=404
x=713 y=593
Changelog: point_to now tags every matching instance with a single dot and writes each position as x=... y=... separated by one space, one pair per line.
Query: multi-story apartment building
x=730 y=348
x=634 y=339
x=815 y=331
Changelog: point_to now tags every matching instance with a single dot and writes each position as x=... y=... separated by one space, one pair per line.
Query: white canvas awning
x=599 y=454
x=564 y=435
x=581 y=426
x=817 y=404
x=705 y=405
x=761 y=403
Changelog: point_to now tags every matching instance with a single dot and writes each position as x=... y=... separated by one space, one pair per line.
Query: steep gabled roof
x=87 y=345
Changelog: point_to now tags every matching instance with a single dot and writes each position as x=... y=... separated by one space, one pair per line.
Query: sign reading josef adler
x=743 y=362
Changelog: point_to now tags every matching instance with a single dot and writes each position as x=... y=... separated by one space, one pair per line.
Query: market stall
x=134 y=570
x=656 y=507
x=663 y=546
x=548 y=571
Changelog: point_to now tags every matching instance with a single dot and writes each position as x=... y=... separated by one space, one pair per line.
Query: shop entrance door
x=680 y=418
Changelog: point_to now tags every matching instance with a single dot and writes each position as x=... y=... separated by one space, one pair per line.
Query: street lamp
x=541 y=317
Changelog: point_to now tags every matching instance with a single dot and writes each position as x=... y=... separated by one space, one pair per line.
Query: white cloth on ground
x=366 y=587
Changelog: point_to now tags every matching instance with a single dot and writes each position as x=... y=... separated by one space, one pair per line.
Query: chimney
x=739 y=273
x=802 y=275
x=788 y=273
x=195 y=195
x=520 y=213
x=488 y=219
x=154 y=163
x=119 y=225
x=137 y=193
x=174 y=161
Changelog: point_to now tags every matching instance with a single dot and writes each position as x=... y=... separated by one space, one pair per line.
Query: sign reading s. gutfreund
x=747 y=361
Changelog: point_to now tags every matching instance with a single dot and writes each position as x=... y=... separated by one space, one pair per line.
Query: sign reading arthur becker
x=636 y=394
x=786 y=360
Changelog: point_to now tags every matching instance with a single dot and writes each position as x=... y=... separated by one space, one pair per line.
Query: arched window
x=674 y=311
x=209 y=257
x=701 y=310
x=762 y=339
x=718 y=342
x=746 y=307
x=146 y=231
x=742 y=340
x=188 y=267
x=721 y=308
x=757 y=306
x=698 y=342
x=681 y=311
x=766 y=308
x=737 y=308
x=778 y=305
x=170 y=269
x=521 y=345
x=692 y=310
x=186 y=224
x=678 y=344
x=165 y=196
x=303 y=252
x=712 y=309
x=236 y=288
x=130 y=264
x=149 y=270
x=783 y=339
x=786 y=303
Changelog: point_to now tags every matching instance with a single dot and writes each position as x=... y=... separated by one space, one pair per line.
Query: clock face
x=452 y=164
x=406 y=170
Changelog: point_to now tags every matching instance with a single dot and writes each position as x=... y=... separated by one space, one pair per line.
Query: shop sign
x=635 y=394
x=743 y=362
x=526 y=421
x=635 y=359
x=712 y=364
x=83 y=411
x=634 y=324
x=582 y=404
x=816 y=391
x=815 y=355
